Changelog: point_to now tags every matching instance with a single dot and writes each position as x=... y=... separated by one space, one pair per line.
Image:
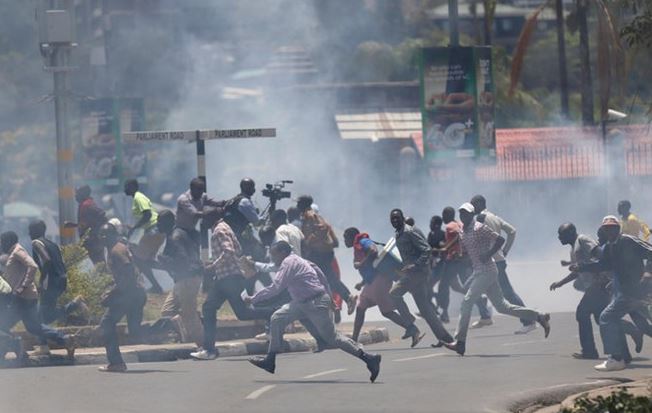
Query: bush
x=85 y=280
x=617 y=402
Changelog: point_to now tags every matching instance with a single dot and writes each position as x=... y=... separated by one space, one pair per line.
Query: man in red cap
x=624 y=255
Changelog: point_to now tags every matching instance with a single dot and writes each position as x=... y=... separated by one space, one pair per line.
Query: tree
x=610 y=55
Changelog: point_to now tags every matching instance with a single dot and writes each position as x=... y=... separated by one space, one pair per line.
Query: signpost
x=199 y=137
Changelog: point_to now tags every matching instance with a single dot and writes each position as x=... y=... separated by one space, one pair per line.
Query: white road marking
x=256 y=394
x=422 y=357
x=518 y=343
x=323 y=373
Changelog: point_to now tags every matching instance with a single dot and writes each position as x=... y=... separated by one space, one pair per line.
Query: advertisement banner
x=107 y=160
x=457 y=103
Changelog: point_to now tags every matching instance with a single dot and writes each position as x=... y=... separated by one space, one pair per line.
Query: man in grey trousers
x=481 y=244
x=310 y=299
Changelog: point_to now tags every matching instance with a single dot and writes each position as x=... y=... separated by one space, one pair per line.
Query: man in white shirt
x=499 y=225
x=286 y=232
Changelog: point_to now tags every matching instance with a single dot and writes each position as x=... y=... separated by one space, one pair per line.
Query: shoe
x=438 y=344
x=611 y=365
x=409 y=332
x=638 y=341
x=457 y=346
x=544 y=320
x=264 y=363
x=351 y=303
x=113 y=368
x=526 y=329
x=262 y=337
x=70 y=344
x=582 y=356
x=373 y=364
x=483 y=322
x=203 y=355
x=42 y=350
x=416 y=338
x=444 y=317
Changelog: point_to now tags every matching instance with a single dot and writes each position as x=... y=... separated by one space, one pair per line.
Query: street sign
x=199 y=137
x=191 y=136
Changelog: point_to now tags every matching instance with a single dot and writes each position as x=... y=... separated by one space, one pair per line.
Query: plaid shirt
x=478 y=241
x=226 y=251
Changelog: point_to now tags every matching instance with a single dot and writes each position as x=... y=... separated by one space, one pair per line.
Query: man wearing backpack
x=53 y=281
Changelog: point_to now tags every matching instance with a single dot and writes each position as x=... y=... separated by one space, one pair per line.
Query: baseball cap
x=609 y=221
x=467 y=207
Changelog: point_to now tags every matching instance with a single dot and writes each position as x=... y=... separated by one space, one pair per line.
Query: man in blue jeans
x=227 y=284
x=624 y=255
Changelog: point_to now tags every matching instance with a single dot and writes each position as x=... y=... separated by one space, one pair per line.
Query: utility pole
x=56 y=41
x=561 y=48
x=453 y=20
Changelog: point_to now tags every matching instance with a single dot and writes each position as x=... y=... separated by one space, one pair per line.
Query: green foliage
x=617 y=402
x=638 y=31
x=83 y=280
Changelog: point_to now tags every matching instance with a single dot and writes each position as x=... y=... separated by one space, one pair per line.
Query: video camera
x=275 y=191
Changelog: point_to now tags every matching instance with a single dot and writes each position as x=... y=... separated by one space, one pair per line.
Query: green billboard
x=457 y=103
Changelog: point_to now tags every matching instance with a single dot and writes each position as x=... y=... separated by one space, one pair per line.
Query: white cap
x=467 y=207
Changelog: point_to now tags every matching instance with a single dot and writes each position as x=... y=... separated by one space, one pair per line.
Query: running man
x=481 y=244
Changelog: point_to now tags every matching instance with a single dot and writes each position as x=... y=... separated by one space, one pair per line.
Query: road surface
x=498 y=367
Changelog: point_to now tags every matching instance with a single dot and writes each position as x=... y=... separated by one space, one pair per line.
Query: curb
x=174 y=352
x=537 y=400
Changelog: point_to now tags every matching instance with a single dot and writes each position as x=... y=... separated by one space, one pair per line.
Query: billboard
x=457 y=103
x=107 y=160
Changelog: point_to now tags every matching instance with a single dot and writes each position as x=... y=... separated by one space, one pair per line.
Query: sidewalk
x=635 y=388
x=144 y=353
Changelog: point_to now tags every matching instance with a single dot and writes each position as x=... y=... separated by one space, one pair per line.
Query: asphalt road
x=498 y=367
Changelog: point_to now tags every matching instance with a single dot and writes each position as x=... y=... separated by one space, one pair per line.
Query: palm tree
x=610 y=55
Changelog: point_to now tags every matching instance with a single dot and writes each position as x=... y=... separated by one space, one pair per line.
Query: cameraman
x=240 y=211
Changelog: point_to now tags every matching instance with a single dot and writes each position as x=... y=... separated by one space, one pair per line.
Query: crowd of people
x=281 y=267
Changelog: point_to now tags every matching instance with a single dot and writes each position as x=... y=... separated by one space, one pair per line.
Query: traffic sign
x=191 y=136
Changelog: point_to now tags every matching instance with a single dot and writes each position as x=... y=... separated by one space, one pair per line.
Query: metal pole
x=60 y=66
x=454 y=32
x=201 y=173
x=561 y=45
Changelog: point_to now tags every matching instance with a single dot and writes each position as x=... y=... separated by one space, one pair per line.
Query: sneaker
x=483 y=322
x=526 y=329
x=351 y=303
x=458 y=346
x=113 y=368
x=611 y=365
x=544 y=320
x=262 y=337
x=203 y=355
x=42 y=350
x=264 y=363
x=373 y=364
